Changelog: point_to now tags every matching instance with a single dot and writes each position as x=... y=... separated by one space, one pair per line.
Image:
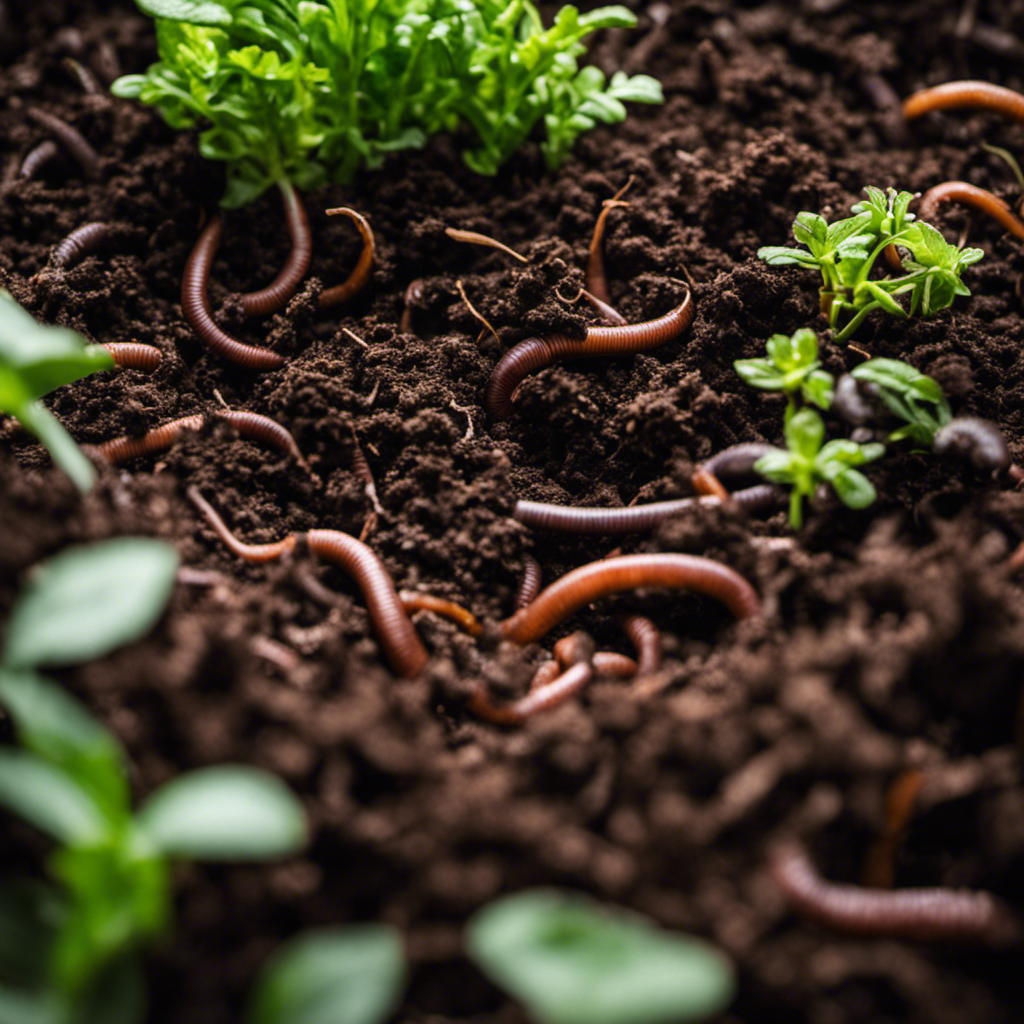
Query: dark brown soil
x=894 y=637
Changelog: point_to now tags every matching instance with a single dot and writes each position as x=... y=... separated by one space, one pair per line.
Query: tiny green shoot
x=34 y=360
x=572 y=961
x=807 y=461
x=909 y=395
x=793 y=368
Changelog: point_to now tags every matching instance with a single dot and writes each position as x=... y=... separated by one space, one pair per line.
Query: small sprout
x=807 y=462
x=572 y=961
x=351 y=975
x=908 y=395
x=792 y=367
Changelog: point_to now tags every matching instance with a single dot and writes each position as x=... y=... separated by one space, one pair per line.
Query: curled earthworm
x=357 y=280
x=975 y=94
x=391 y=623
x=79 y=244
x=567 y=595
x=923 y=915
x=70 y=138
x=133 y=355
x=604 y=663
x=529 y=585
x=250 y=425
x=707 y=484
x=964 y=192
x=37 y=157
x=979 y=440
x=195 y=306
x=462 y=617
x=646 y=638
x=738 y=460
x=634 y=519
x=412 y=297
x=536 y=353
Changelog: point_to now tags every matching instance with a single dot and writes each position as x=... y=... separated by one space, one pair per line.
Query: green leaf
x=571 y=961
x=760 y=373
x=804 y=433
x=228 y=812
x=198 y=12
x=116 y=996
x=818 y=389
x=777 y=466
x=854 y=489
x=352 y=975
x=66 y=455
x=88 y=600
x=20 y=1007
x=635 y=89
x=780 y=256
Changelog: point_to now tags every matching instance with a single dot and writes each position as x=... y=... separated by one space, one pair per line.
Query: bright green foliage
x=34 y=360
x=310 y=90
x=351 y=975
x=807 y=462
x=847 y=251
x=909 y=395
x=572 y=961
x=792 y=367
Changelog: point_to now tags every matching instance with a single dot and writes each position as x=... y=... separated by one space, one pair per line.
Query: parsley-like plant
x=909 y=396
x=793 y=368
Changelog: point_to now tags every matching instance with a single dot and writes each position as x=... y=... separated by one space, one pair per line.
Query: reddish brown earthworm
x=357 y=280
x=462 y=617
x=79 y=244
x=646 y=638
x=635 y=518
x=529 y=585
x=536 y=353
x=976 y=94
x=880 y=862
x=922 y=915
x=195 y=305
x=70 y=138
x=250 y=425
x=629 y=572
x=413 y=295
x=604 y=663
x=597 y=282
x=133 y=355
x=37 y=157
x=276 y=295
x=391 y=623
x=707 y=484
x=964 y=192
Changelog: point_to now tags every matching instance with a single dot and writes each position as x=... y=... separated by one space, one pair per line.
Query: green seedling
x=69 y=780
x=307 y=91
x=909 y=396
x=807 y=462
x=793 y=368
x=34 y=360
x=572 y=961
x=847 y=252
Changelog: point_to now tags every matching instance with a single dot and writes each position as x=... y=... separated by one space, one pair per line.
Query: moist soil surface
x=892 y=640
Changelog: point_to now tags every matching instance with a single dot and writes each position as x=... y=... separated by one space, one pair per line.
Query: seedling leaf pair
x=792 y=367
x=909 y=395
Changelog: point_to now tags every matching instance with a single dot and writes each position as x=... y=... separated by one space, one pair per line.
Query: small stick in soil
x=964 y=192
x=880 y=862
x=133 y=355
x=475 y=312
x=87 y=81
x=462 y=617
x=597 y=282
x=361 y=468
x=468 y=413
x=979 y=440
x=391 y=623
x=965 y=94
x=70 y=138
x=628 y=572
x=609 y=314
x=412 y=297
x=475 y=238
x=921 y=915
x=536 y=353
x=37 y=158
x=529 y=585
x=82 y=242
x=360 y=276
x=195 y=306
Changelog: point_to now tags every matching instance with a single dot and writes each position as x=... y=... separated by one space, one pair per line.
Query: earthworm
x=391 y=623
x=413 y=295
x=87 y=81
x=924 y=915
x=628 y=572
x=37 y=157
x=853 y=401
x=708 y=485
x=974 y=438
x=646 y=638
x=634 y=519
x=879 y=865
x=249 y=425
x=536 y=353
x=983 y=95
x=195 y=306
x=133 y=355
x=357 y=280
x=70 y=138
x=737 y=460
x=79 y=244
x=964 y=192
x=286 y=284
x=604 y=663
x=529 y=585
x=462 y=617
x=597 y=282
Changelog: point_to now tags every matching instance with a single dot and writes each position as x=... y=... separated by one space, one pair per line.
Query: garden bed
x=893 y=637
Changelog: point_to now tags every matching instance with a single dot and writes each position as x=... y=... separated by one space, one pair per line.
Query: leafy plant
x=807 y=462
x=34 y=360
x=572 y=961
x=909 y=396
x=792 y=367
x=847 y=251
x=310 y=90
x=69 y=780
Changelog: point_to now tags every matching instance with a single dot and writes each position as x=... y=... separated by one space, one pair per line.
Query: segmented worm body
x=628 y=572
x=597 y=282
x=462 y=617
x=964 y=192
x=924 y=915
x=536 y=353
x=37 y=157
x=70 y=138
x=360 y=276
x=634 y=519
x=646 y=638
x=738 y=460
x=195 y=305
x=79 y=244
x=967 y=93
x=529 y=585
x=979 y=440
x=133 y=355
